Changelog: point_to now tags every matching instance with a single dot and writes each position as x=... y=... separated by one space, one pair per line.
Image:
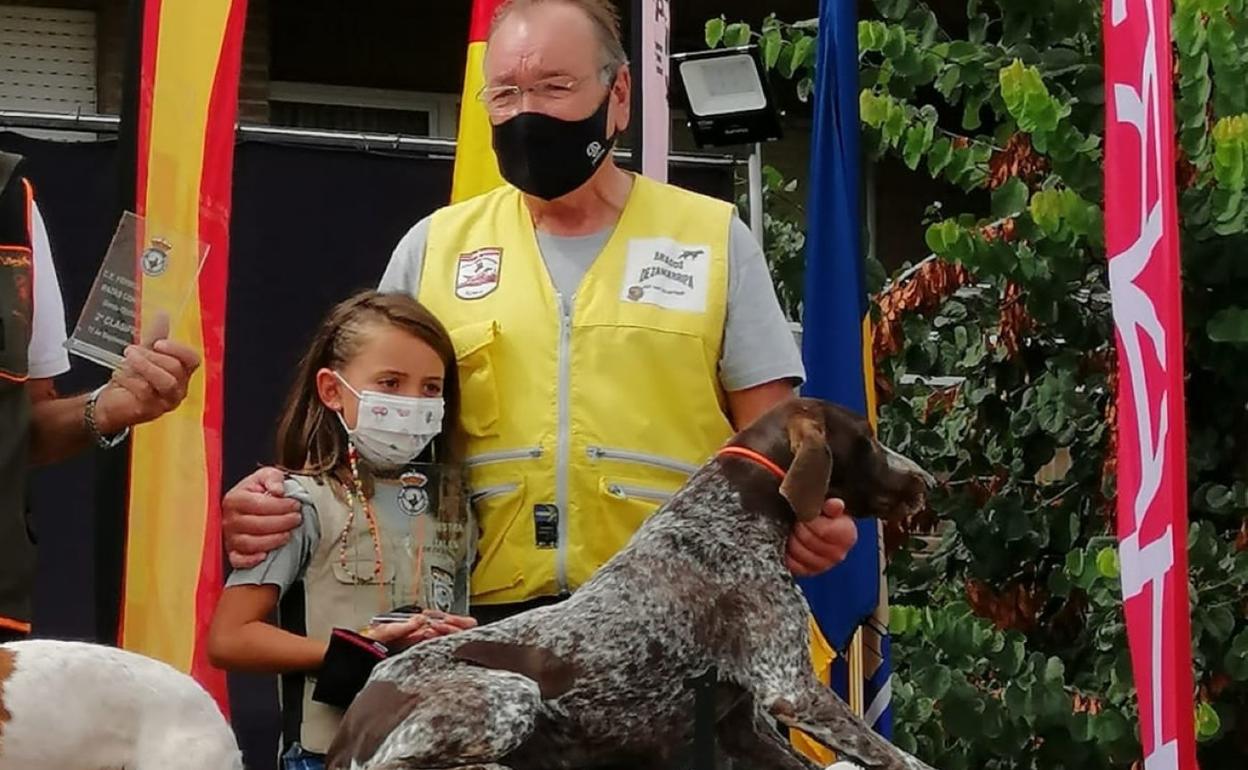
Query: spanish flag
x=188 y=56
x=476 y=168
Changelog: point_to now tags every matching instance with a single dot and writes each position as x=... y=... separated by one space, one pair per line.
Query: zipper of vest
x=564 y=439
x=485 y=493
x=641 y=458
x=486 y=458
x=643 y=493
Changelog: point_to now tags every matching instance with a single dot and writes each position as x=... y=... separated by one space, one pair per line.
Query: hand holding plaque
x=139 y=293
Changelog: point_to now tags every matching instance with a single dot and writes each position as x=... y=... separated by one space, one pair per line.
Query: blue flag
x=836 y=346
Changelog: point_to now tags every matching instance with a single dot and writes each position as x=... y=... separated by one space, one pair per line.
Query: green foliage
x=1009 y=641
x=784 y=241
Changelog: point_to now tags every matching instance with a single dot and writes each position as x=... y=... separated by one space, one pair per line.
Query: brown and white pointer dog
x=599 y=680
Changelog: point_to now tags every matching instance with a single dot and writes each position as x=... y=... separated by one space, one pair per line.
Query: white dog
x=78 y=706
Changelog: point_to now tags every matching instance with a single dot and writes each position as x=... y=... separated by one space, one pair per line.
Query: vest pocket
x=497 y=509
x=479 y=399
x=625 y=504
x=359 y=569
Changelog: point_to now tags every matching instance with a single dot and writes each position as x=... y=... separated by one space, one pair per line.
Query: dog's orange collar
x=755 y=457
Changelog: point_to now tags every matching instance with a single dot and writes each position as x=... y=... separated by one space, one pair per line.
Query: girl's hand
x=399 y=635
x=430 y=624
x=441 y=624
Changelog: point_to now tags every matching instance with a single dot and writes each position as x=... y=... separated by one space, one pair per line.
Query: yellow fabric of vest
x=579 y=425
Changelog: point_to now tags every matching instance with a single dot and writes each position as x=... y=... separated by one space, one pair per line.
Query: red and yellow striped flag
x=476 y=168
x=190 y=57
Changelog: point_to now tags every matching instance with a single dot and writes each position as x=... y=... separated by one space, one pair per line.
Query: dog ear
x=805 y=486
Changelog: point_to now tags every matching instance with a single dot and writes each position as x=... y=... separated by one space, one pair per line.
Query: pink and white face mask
x=391 y=431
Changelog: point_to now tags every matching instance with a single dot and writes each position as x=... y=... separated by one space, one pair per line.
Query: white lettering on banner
x=1147 y=567
x=655 y=114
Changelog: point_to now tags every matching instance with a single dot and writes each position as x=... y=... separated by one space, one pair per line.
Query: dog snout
x=902 y=464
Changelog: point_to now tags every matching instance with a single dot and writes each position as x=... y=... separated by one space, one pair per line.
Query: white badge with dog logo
x=668 y=274
x=477 y=273
x=413 y=497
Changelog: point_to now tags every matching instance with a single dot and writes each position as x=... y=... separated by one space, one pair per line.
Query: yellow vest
x=578 y=427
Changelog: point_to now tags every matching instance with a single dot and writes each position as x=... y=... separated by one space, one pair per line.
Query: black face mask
x=550 y=157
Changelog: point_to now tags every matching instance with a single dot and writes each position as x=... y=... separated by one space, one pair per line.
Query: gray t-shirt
x=285 y=566
x=758 y=344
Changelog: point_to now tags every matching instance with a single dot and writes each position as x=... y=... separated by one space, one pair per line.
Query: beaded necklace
x=354 y=498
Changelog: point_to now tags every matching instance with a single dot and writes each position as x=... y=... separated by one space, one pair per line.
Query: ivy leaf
x=933 y=681
x=977 y=30
x=772 y=42
x=1219 y=497
x=939 y=156
x=1208 y=723
x=1054 y=671
x=1027 y=98
x=918 y=140
x=804 y=87
x=784 y=64
x=803 y=51
x=872 y=35
x=961 y=248
x=736 y=34
x=1236 y=660
x=772 y=178
x=1058 y=59
x=970 y=112
x=893 y=9
x=1220 y=622
x=897 y=44
x=872 y=108
x=894 y=125
x=961 y=52
x=929 y=28
x=714 y=32
x=1010 y=199
x=1081 y=727
x=1075 y=564
x=958 y=164
x=1107 y=563
x=1109 y=726
x=949 y=80
x=1229 y=325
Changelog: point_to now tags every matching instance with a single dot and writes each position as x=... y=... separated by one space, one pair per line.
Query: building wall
x=419 y=47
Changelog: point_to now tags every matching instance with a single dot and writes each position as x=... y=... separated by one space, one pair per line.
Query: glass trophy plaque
x=147 y=277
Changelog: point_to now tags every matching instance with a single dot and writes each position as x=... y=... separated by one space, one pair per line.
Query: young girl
x=382 y=557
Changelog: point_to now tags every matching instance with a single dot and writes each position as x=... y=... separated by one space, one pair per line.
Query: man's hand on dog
x=820 y=544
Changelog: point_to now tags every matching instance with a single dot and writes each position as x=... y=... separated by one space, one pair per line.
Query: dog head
x=827 y=451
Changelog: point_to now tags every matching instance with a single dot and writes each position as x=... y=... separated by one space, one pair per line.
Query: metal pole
x=435 y=147
x=756 y=191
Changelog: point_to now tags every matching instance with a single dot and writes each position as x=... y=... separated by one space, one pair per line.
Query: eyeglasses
x=506 y=100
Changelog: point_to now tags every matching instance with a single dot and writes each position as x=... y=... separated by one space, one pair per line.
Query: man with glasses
x=611 y=332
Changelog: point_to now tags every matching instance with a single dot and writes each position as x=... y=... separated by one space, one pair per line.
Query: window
x=47 y=59
x=47 y=62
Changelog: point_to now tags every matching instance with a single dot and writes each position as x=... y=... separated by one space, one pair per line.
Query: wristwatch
x=93 y=430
